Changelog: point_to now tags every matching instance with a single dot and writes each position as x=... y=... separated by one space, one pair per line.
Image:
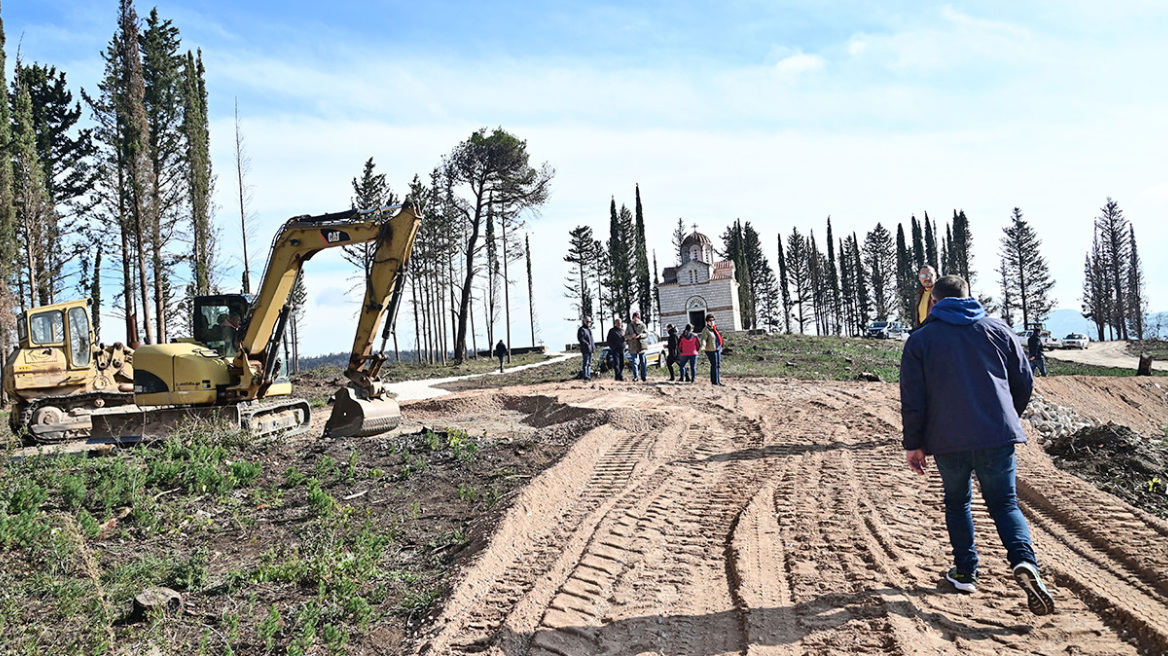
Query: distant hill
x=1062 y=322
x=342 y=360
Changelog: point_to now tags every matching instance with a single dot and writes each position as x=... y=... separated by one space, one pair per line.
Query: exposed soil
x=1116 y=459
x=775 y=516
x=1104 y=354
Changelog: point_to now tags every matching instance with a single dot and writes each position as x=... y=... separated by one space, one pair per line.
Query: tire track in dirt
x=779 y=518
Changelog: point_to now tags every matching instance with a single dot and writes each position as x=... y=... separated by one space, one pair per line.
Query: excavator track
x=264 y=420
x=37 y=421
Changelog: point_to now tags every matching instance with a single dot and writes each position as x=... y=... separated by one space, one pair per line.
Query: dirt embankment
x=778 y=517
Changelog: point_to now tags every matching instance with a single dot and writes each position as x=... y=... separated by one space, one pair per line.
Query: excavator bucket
x=357 y=417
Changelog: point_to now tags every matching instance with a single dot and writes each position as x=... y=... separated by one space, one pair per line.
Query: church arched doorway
x=695 y=309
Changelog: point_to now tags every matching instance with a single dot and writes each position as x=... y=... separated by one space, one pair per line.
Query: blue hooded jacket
x=964 y=381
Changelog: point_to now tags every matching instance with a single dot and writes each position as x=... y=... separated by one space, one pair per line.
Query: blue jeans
x=618 y=364
x=1038 y=365
x=690 y=361
x=586 y=372
x=639 y=364
x=995 y=469
x=715 y=367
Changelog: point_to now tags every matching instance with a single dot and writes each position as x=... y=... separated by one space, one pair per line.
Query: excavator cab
x=217 y=321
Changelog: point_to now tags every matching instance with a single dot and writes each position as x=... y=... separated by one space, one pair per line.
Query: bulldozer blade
x=355 y=417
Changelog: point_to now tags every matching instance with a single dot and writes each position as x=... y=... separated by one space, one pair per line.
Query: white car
x=1076 y=340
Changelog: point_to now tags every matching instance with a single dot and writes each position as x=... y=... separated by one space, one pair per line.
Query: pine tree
x=370 y=192
x=763 y=288
x=1096 y=289
x=494 y=165
x=530 y=286
x=880 y=258
x=641 y=261
x=679 y=235
x=799 y=275
x=1113 y=231
x=162 y=95
x=1028 y=279
x=581 y=258
x=494 y=272
x=1136 y=293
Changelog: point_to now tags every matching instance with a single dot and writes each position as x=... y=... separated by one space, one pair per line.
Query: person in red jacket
x=688 y=345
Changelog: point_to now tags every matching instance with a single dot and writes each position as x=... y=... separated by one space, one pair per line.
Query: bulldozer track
x=780 y=518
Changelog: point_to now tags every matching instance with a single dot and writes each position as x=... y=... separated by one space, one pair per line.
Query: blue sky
x=780 y=114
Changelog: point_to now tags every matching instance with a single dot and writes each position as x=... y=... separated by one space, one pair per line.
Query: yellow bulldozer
x=230 y=370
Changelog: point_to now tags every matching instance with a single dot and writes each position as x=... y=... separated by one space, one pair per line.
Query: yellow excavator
x=231 y=369
x=58 y=375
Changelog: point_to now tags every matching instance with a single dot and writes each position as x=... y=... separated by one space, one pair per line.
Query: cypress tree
x=962 y=246
x=931 y=245
x=644 y=283
x=1136 y=292
x=906 y=279
x=784 y=288
x=200 y=179
x=847 y=289
x=35 y=218
x=863 y=298
x=620 y=274
x=8 y=249
x=833 y=281
x=918 y=245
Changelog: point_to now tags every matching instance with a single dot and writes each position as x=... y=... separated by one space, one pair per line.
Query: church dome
x=697 y=239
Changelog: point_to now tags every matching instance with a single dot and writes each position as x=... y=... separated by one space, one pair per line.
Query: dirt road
x=1103 y=354
x=778 y=517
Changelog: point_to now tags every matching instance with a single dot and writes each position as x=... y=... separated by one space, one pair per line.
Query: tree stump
x=151 y=600
x=1145 y=368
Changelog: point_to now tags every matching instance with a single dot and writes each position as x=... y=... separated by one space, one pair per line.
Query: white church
x=698 y=287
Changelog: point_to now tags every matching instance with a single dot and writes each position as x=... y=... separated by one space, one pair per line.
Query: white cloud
x=796 y=65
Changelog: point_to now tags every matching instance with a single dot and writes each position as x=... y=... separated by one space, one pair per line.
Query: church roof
x=669 y=275
x=697 y=238
x=723 y=270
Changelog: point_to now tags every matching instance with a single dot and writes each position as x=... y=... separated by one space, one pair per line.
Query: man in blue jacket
x=964 y=381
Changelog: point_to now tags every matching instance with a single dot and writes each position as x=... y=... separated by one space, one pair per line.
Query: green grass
x=802 y=357
x=1157 y=348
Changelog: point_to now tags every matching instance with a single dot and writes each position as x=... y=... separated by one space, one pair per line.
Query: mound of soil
x=1116 y=459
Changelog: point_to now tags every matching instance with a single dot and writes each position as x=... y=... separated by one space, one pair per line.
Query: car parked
x=654 y=354
x=1076 y=340
x=886 y=330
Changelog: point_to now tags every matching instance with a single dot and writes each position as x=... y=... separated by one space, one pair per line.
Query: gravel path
x=416 y=390
x=1104 y=354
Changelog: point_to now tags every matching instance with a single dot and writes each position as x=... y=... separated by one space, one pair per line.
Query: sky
x=777 y=113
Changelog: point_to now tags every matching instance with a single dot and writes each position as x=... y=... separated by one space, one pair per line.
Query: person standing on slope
x=964 y=381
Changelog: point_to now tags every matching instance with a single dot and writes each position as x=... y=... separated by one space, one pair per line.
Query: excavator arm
x=297 y=241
